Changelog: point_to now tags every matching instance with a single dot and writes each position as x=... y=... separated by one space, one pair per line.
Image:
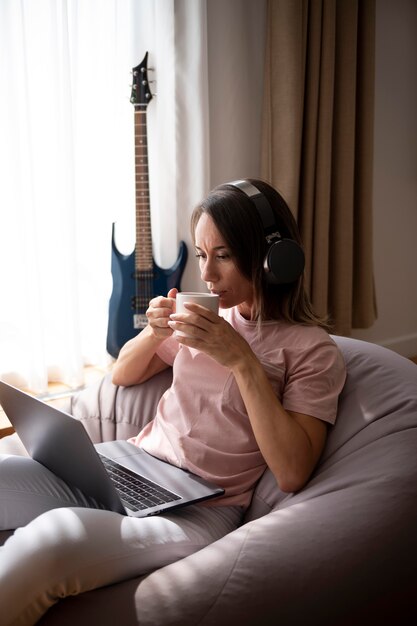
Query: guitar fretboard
x=143 y=251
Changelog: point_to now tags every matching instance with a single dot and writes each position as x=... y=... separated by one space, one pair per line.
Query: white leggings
x=63 y=547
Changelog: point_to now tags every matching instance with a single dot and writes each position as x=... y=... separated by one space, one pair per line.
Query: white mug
x=209 y=300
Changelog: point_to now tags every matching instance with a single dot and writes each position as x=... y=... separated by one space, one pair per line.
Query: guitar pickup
x=139 y=303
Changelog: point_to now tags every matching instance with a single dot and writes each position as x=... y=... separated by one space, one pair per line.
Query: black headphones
x=284 y=260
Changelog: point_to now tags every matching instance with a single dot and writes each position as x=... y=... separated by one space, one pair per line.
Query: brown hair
x=237 y=219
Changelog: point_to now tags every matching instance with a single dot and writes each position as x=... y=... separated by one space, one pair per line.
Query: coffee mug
x=209 y=300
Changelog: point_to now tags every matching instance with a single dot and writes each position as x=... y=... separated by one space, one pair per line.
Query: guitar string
x=143 y=264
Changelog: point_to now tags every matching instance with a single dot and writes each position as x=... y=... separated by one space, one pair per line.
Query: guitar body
x=136 y=277
x=131 y=294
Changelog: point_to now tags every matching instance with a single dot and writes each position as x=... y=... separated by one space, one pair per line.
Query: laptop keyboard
x=136 y=492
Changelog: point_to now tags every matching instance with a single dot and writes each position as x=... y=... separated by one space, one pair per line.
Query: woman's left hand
x=210 y=333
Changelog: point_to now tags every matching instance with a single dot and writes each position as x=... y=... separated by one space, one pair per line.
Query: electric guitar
x=136 y=277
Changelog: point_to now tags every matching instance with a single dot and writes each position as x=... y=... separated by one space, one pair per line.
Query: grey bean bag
x=341 y=551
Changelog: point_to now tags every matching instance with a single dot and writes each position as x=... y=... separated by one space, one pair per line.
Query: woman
x=255 y=386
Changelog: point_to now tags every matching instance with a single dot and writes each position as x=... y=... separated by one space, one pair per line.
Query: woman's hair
x=237 y=219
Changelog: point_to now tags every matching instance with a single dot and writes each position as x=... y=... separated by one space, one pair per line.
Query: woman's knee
x=53 y=536
x=45 y=560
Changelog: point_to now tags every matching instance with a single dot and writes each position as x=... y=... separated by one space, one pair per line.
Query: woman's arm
x=291 y=443
x=137 y=360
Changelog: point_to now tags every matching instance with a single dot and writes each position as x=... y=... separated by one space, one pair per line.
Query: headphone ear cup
x=284 y=262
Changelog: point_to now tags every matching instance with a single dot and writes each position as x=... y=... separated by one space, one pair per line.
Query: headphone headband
x=264 y=208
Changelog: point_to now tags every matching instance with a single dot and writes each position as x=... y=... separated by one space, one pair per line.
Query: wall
x=395 y=178
x=236 y=42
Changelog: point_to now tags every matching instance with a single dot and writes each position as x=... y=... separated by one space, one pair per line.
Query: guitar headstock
x=141 y=94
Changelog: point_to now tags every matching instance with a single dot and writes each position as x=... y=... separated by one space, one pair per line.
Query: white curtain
x=66 y=174
x=66 y=156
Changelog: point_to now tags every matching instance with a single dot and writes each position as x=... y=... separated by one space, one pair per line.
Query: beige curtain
x=318 y=144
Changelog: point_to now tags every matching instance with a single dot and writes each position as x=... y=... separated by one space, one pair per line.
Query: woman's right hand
x=137 y=360
x=159 y=310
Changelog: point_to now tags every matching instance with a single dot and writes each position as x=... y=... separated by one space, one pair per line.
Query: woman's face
x=218 y=268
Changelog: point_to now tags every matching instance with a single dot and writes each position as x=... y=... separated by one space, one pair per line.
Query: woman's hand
x=137 y=360
x=158 y=312
x=210 y=333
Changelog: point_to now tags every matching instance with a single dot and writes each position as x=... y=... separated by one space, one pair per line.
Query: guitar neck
x=143 y=250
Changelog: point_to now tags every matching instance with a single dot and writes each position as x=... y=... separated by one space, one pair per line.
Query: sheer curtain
x=66 y=164
x=66 y=156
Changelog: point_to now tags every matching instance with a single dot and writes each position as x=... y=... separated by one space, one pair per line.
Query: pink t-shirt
x=201 y=422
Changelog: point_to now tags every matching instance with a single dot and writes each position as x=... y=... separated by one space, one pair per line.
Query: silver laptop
x=118 y=474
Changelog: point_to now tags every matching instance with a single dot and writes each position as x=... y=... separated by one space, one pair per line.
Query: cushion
x=109 y=412
x=377 y=407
